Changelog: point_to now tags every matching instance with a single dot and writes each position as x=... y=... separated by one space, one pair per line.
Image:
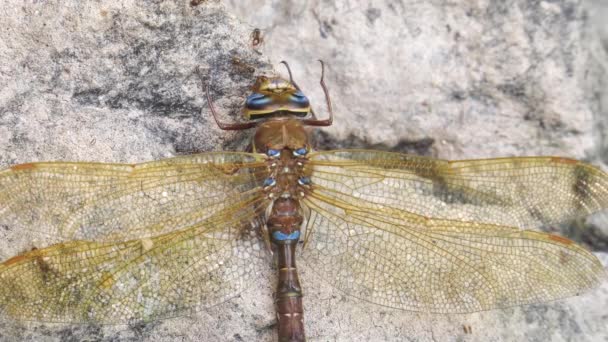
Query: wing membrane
x=130 y=242
x=118 y=202
x=137 y=280
x=428 y=235
x=518 y=192
x=398 y=259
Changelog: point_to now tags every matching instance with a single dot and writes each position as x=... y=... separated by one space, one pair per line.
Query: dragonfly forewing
x=526 y=192
x=153 y=240
x=118 y=202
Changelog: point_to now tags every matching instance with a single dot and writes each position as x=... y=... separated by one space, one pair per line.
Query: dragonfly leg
x=222 y=125
x=328 y=121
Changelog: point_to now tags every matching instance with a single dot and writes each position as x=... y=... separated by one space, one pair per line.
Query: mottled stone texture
x=483 y=78
x=115 y=82
x=457 y=79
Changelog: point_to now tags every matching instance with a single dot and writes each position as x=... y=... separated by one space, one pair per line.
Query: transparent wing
x=521 y=192
x=138 y=242
x=375 y=231
x=137 y=280
x=118 y=202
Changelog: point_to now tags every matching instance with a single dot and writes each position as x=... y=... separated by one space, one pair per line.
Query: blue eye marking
x=300 y=152
x=299 y=98
x=273 y=153
x=269 y=182
x=257 y=101
x=304 y=181
x=280 y=236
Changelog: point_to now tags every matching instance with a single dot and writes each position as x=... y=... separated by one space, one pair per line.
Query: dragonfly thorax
x=287 y=177
x=280 y=133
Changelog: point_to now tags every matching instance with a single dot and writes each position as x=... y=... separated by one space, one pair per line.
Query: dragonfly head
x=275 y=96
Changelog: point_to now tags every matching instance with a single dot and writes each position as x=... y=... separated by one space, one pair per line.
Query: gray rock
x=117 y=82
x=479 y=79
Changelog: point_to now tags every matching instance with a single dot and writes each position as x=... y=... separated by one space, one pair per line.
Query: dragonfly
x=150 y=241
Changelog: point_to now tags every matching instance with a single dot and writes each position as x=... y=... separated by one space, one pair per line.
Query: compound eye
x=257 y=101
x=273 y=153
x=300 y=152
x=300 y=99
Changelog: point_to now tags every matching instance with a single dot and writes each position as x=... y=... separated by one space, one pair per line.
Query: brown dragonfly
x=166 y=238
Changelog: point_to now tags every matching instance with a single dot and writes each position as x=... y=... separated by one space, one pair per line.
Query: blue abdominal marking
x=280 y=236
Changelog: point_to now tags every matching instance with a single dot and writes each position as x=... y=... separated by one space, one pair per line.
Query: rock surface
x=85 y=81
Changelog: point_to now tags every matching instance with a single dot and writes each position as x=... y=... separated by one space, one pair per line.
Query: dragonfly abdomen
x=284 y=226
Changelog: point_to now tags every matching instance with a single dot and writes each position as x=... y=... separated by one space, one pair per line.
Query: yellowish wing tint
x=523 y=192
x=421 y=234
x=138 y=242
x=154 y=240
x=117 y=202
